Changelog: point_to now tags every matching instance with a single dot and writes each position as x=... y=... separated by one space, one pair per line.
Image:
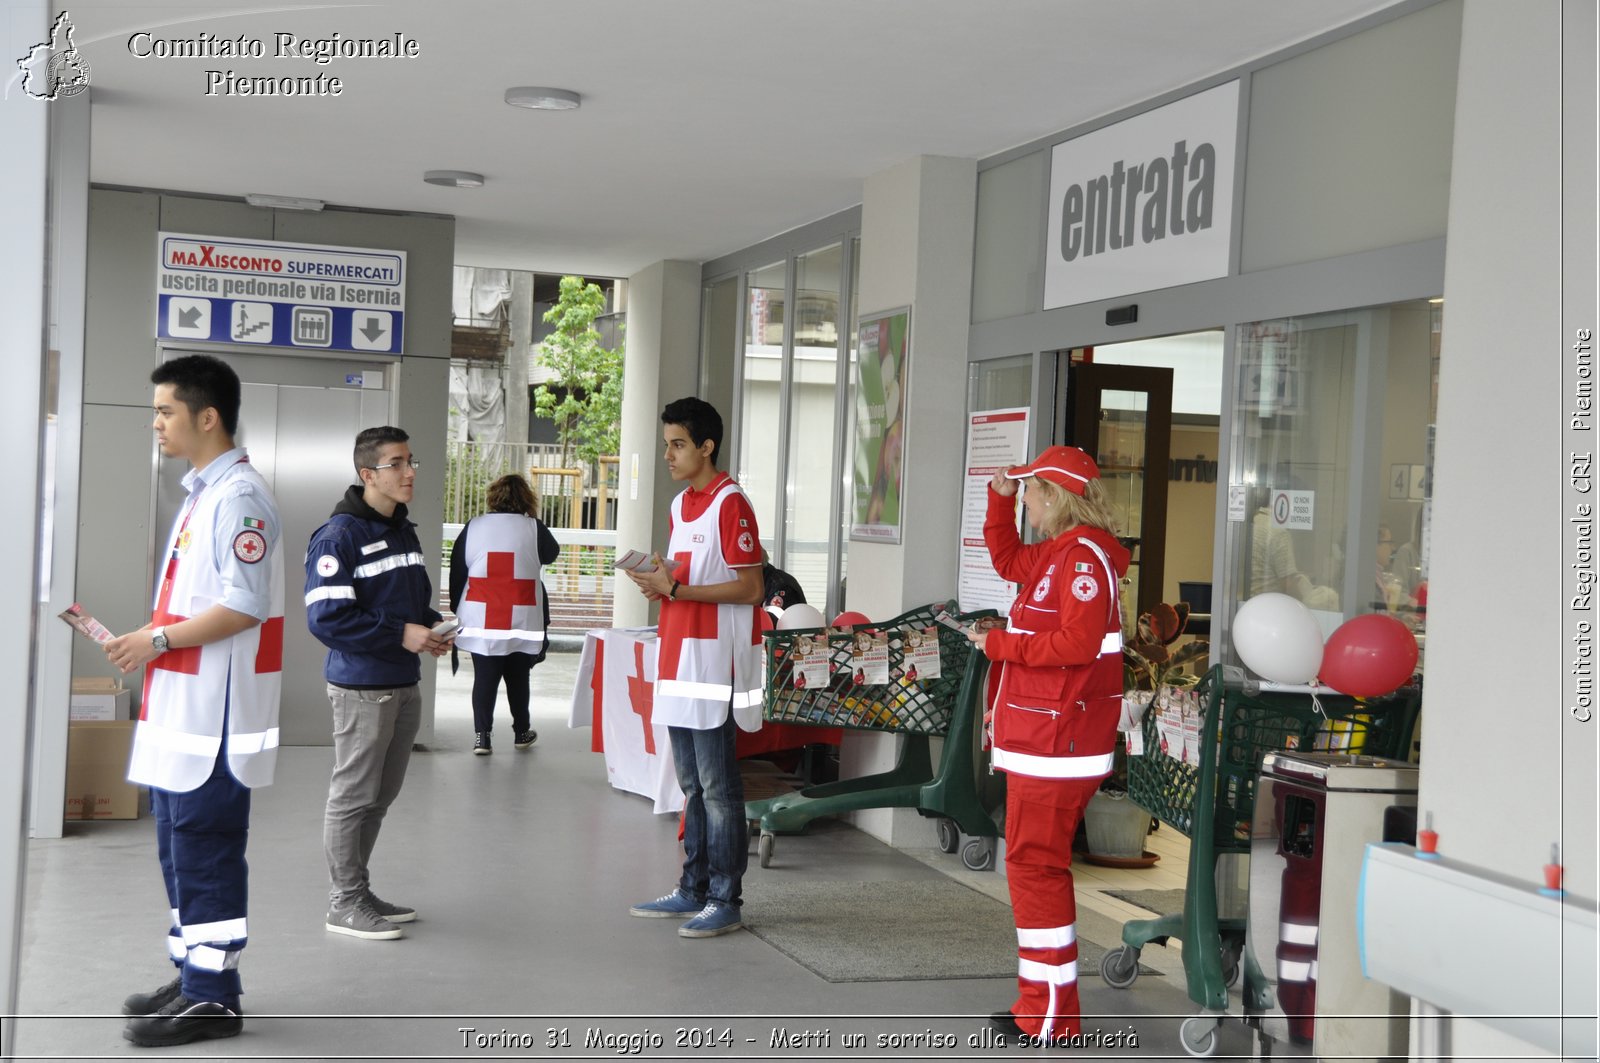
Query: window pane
x=814 y=447
x=1292 y=437
x=763 y=369
x=845 y=469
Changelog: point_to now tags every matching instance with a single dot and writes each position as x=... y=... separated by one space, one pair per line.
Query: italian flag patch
x=1083 y=566
x=259 y=525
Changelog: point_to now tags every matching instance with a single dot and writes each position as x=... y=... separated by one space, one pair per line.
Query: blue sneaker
x=714 y=919
x=675 y=905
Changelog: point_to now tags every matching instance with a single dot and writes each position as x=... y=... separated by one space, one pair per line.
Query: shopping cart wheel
x=1120 y=967
x=764 y=848
x=1199 y=1035
x=978 y=854
x=949 y=835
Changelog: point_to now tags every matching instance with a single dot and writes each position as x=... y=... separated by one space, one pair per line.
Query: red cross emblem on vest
x=691 y=620
x=500 y=590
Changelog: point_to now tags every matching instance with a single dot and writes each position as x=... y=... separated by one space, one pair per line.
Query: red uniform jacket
x=1060 y=684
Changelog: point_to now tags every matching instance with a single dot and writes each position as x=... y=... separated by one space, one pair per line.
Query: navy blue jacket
x=366 y=578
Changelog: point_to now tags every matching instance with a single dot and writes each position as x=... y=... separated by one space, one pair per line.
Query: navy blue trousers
x=200 y=838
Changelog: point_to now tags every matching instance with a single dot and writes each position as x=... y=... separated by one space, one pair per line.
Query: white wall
x=1506 y=770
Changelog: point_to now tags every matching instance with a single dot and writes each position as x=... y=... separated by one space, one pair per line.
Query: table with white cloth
x=614 y=694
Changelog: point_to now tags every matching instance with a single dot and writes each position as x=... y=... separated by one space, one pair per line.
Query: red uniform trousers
x=1041 y=820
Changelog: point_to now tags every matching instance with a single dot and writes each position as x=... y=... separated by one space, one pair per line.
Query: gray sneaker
x=395 y=913
x=361 y=920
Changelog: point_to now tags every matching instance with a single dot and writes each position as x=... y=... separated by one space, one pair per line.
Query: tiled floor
x=523 y=867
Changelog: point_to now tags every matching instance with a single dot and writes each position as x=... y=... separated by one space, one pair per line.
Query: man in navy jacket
x=369 y=600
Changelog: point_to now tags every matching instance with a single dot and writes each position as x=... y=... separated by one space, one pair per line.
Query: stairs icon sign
x=312 y=326
x=252 y=323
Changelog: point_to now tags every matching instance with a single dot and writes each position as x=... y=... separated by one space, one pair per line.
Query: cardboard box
x=97 y=770
x=100 y=699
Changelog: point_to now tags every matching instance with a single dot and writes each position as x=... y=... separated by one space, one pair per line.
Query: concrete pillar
x=917 y=224
x=24 y=125
x=515 y=376
x=660 y=364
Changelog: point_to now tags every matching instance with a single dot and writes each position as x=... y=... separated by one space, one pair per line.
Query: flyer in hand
x=635 y=561
x=85 y=625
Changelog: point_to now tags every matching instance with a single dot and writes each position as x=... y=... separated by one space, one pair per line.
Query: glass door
x=1122 y=417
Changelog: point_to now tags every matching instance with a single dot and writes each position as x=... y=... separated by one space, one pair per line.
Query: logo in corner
x=55 y=68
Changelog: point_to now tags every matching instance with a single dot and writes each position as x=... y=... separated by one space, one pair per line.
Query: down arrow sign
x=189 y=317
x=373 y=330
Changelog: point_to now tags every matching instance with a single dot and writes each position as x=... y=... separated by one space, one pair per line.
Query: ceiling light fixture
x=539 y=98
x=454 y=178
x=260 y=199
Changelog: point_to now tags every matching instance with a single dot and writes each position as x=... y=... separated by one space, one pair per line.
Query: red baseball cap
x=1069 y=468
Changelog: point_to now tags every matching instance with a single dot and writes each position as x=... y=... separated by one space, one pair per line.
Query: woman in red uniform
x=1057 y=689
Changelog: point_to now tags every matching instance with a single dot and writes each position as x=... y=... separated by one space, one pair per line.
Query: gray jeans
x=372 y=735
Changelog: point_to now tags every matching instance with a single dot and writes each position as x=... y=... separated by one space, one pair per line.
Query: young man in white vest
x=708 y=666
x=369 y=600
x=208 y=717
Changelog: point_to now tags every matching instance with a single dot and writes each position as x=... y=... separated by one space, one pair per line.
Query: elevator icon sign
x=313 y=327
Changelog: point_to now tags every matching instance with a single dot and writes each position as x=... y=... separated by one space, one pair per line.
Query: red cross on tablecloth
x=642 y=697
x=500 y=590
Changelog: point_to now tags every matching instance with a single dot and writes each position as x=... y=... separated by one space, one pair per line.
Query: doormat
x=1161 y=902
x=889 y=931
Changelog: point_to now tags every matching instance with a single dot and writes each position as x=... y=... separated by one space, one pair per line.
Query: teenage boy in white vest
x=208 y=716
x=369 y=600
x=708 y=666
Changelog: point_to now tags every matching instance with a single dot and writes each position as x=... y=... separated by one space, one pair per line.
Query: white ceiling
x=707 y=125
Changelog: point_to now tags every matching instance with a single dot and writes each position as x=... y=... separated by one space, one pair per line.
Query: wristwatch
x=158 y=639
x=672 y=595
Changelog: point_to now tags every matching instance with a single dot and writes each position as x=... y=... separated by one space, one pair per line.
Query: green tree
x=585 y=398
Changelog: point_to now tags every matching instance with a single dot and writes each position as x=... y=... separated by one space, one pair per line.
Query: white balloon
x=803 y=615
x=1278 y=638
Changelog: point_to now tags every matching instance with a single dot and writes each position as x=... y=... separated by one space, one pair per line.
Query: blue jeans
x=200 y=840
x=716 y=834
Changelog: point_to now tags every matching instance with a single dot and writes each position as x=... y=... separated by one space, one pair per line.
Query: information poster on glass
x=883 y=349
x=996 y=439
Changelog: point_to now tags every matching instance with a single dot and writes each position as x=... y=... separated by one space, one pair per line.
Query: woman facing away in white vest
x=496 y=595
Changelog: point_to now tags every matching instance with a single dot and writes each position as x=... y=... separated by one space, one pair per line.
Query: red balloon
x=849 y=618
x=1369 y=656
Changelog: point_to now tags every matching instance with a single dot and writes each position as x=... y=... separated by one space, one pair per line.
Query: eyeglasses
x=414 y=463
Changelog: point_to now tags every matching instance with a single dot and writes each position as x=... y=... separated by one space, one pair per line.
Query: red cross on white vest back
x=500 y=590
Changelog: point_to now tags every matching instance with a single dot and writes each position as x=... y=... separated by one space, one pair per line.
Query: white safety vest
x=188 y=691
x=710 y=652
x=500 y=611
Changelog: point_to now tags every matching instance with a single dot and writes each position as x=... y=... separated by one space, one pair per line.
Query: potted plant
x=1115 y=826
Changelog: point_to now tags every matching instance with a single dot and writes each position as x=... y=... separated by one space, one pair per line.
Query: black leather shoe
x=153 y=1001
x=182 y=1021
x=1016 y=1036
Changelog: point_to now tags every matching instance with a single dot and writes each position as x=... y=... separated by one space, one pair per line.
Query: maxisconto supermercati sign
x=1145 y=203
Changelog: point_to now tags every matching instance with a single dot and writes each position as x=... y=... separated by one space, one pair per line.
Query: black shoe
x=1006 y=1023
x=524 y=739
x=481 y=746
x=182 y=1021
x=153 y=1001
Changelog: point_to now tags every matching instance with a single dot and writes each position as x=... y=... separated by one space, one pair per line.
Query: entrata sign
x=1146 y=203
x=284 y=295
